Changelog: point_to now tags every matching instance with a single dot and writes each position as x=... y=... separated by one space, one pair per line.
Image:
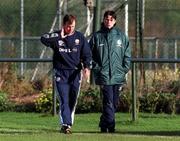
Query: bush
x=124 y=104
x=44 y=103
x=14 y=85
x=89 y=101
x=148 y=102
x=158 y=103
x=26 y=107
x=166 y=103
x=5 y=105
x=178 y=106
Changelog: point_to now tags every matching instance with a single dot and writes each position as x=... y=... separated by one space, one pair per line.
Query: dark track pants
x=68 y=85
x=110 y=95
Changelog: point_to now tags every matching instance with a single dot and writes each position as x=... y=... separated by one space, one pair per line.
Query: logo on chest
x=66 y=50
x=119 y=43
x=77 y=41
x=61 y=43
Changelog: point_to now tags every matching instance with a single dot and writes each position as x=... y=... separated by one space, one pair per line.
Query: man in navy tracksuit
x=71 y=54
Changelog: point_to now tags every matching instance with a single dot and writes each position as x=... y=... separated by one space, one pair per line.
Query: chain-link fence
x=41 y=16
x=161 y=24
x=161 y=34
x=159 y=30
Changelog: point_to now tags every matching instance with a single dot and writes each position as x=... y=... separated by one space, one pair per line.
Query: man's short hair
x=110 y=13
x=68 y=19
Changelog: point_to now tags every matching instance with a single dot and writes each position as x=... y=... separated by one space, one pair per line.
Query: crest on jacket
x=119 y=43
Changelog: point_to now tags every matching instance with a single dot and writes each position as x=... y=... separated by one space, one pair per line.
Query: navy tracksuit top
x=70 y=55
x=71 y=52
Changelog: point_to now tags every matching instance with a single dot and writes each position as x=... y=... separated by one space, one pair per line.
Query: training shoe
x=66 y=130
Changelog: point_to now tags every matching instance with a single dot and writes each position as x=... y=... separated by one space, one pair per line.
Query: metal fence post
x=175 y=54
x=53 y=95
x=97 y=14
x=22 y=36
x=133 y=91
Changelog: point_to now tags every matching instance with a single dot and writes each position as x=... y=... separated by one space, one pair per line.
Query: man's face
x=69 y=28
x=109 y=22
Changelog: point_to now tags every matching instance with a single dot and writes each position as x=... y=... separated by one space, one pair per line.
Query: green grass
x=37 y=127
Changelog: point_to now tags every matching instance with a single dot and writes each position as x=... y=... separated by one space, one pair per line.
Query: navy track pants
x=68 y=86
x=110 y=94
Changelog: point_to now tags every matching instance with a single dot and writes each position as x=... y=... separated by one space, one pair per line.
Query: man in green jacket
x=111 y=62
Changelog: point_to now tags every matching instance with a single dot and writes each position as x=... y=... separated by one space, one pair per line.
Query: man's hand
x=62 y=33
x=86 y=74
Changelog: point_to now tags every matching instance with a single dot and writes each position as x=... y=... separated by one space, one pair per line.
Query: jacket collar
x=107 y=30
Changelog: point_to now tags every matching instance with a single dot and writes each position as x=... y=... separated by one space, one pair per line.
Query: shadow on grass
x=36 y=131
x=25 y=131
x=154 y=133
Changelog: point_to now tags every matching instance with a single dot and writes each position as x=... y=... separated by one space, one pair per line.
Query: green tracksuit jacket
x=111 y=56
